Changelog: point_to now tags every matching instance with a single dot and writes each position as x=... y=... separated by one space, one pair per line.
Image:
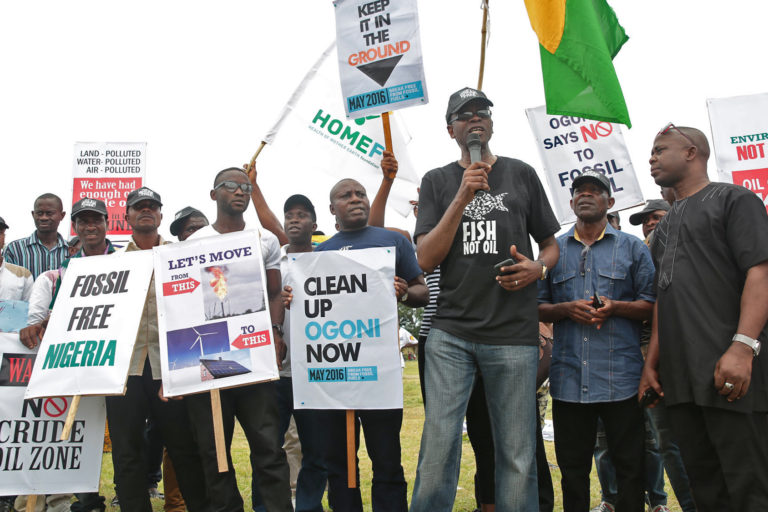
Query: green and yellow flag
x=578 y=40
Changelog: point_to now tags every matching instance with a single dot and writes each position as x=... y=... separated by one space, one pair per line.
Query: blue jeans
x=509 y=375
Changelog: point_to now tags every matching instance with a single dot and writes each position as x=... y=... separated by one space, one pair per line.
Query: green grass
x=410 y=437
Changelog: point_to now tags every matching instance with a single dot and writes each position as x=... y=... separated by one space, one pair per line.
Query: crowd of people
x=655 y=343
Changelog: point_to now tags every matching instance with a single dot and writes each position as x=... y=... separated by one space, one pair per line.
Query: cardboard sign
x=379 y=52
x=344 y=341
x=571 y=145
x=32 y=458
x=740 y=138
x=87 y=347
x=213 y=314
x=109 y=171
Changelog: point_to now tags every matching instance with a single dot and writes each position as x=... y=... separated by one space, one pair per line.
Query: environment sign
x=213 y=314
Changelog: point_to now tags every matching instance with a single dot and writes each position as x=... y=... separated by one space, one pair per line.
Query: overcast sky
x=202 y=82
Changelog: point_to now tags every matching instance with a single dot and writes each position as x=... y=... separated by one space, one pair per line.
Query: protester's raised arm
x=267 y=218
x=379 y=204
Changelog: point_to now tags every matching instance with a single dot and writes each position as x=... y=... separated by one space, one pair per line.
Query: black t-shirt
x=471 y=305
x=702 y=249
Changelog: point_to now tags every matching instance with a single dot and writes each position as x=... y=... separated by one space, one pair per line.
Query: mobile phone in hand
x=506 y=263
x=649 y=397
x=596 y=302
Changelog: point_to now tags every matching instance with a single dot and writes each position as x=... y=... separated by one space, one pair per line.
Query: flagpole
x=351 y=451
x=483 y=40
x=256 y=155
x=387 y=131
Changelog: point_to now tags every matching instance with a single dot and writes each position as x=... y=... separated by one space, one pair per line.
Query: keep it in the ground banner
x=33 y=460
x=87 y=347
x=740 y=137
x=344 y=341
x=213 y=314
x=380 y=61
x=571 y=145
x=109 y=171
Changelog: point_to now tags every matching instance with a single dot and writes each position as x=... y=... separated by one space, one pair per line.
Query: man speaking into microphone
x=475 y=213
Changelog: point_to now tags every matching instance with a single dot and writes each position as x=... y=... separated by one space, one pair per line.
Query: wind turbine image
x=199 y=340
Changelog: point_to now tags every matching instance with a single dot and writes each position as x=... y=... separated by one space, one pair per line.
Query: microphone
x=474 y=145
x=475 y=153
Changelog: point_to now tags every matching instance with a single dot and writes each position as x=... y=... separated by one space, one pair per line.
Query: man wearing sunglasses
x=473 y=215
x=254 y=406
x=597 y=296
x=711 y=251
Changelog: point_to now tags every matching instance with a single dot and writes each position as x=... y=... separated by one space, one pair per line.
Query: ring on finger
x=728 y=386
x=515 y=282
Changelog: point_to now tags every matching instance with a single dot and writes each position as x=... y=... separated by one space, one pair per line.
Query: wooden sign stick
x=387 y=131
x=70 y=419
x=31 y=502
x=351 y=451
x=218 y=431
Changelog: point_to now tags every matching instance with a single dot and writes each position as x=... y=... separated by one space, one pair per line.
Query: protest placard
x=213 y=314
x=571 y=145
x=379 y=53
x=13 y=315
x=33 y=460
x=87 y=346
x=344 y=342
x=109 y=171
x=740 y=138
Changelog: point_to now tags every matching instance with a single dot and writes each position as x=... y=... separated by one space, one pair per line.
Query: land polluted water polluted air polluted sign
x=344 y=341
x=213 y=314
x=109 y=171
x=571 y=145
x=379 y=52
x=87 y=347
x=33 y=459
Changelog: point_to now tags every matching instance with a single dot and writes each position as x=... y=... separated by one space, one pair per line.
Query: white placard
x=87 y=347
x=570 y=145
x=32 y=458
x=344 y=341
x=109 y=171
x=740 y=137
x=213 y=314
x=379 y=51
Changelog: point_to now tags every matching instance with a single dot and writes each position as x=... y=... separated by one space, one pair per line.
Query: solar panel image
x=219 y=368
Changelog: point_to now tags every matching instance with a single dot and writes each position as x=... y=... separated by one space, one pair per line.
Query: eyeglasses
x=232 y=186
x=466 y=116
x=583 y=260
x=671 y=126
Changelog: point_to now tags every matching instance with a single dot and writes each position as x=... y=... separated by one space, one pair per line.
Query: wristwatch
x=404 y=297
x=278 y=328
x=544 y=270
x=750 y=342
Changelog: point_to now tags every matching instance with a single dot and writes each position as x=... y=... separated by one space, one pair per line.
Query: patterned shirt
x=31 y=254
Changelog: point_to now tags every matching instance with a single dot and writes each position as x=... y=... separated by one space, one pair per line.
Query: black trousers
x=575 y=435
x=725 y=455
x=382 y=440
x=255 y=407
x=127 y=417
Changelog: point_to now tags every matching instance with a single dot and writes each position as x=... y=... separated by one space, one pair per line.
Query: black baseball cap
x=3 y=225
x=87 y=204
x=595 y=177
x=300 y=200
x=461 y=98
x=181 y=217
x=650 y=206
x=141 y=194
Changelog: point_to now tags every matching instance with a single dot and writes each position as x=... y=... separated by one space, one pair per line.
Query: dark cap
x=614 y=214
x=181 y=217
x=141 y=194
x=461 y=98
x=300 y=200
x=87 y=204
x=595 y=177
x=650 y=206
x=73 y=241
x=3 y=225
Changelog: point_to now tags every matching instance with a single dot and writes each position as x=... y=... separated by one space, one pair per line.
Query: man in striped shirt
x=45 y=249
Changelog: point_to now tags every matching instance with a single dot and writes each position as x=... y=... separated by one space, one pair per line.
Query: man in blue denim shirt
x=596 y=360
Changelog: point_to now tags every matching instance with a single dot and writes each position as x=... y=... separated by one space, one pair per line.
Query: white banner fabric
x=344 y=341
x=379 y=54
x=109 y=171
x=570 y=145
x=213 y=314
x=32 y=458
x=87 y=347
x=740 y=138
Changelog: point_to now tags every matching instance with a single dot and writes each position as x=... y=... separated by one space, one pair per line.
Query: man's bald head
x=699 y=140
x=339 y=184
